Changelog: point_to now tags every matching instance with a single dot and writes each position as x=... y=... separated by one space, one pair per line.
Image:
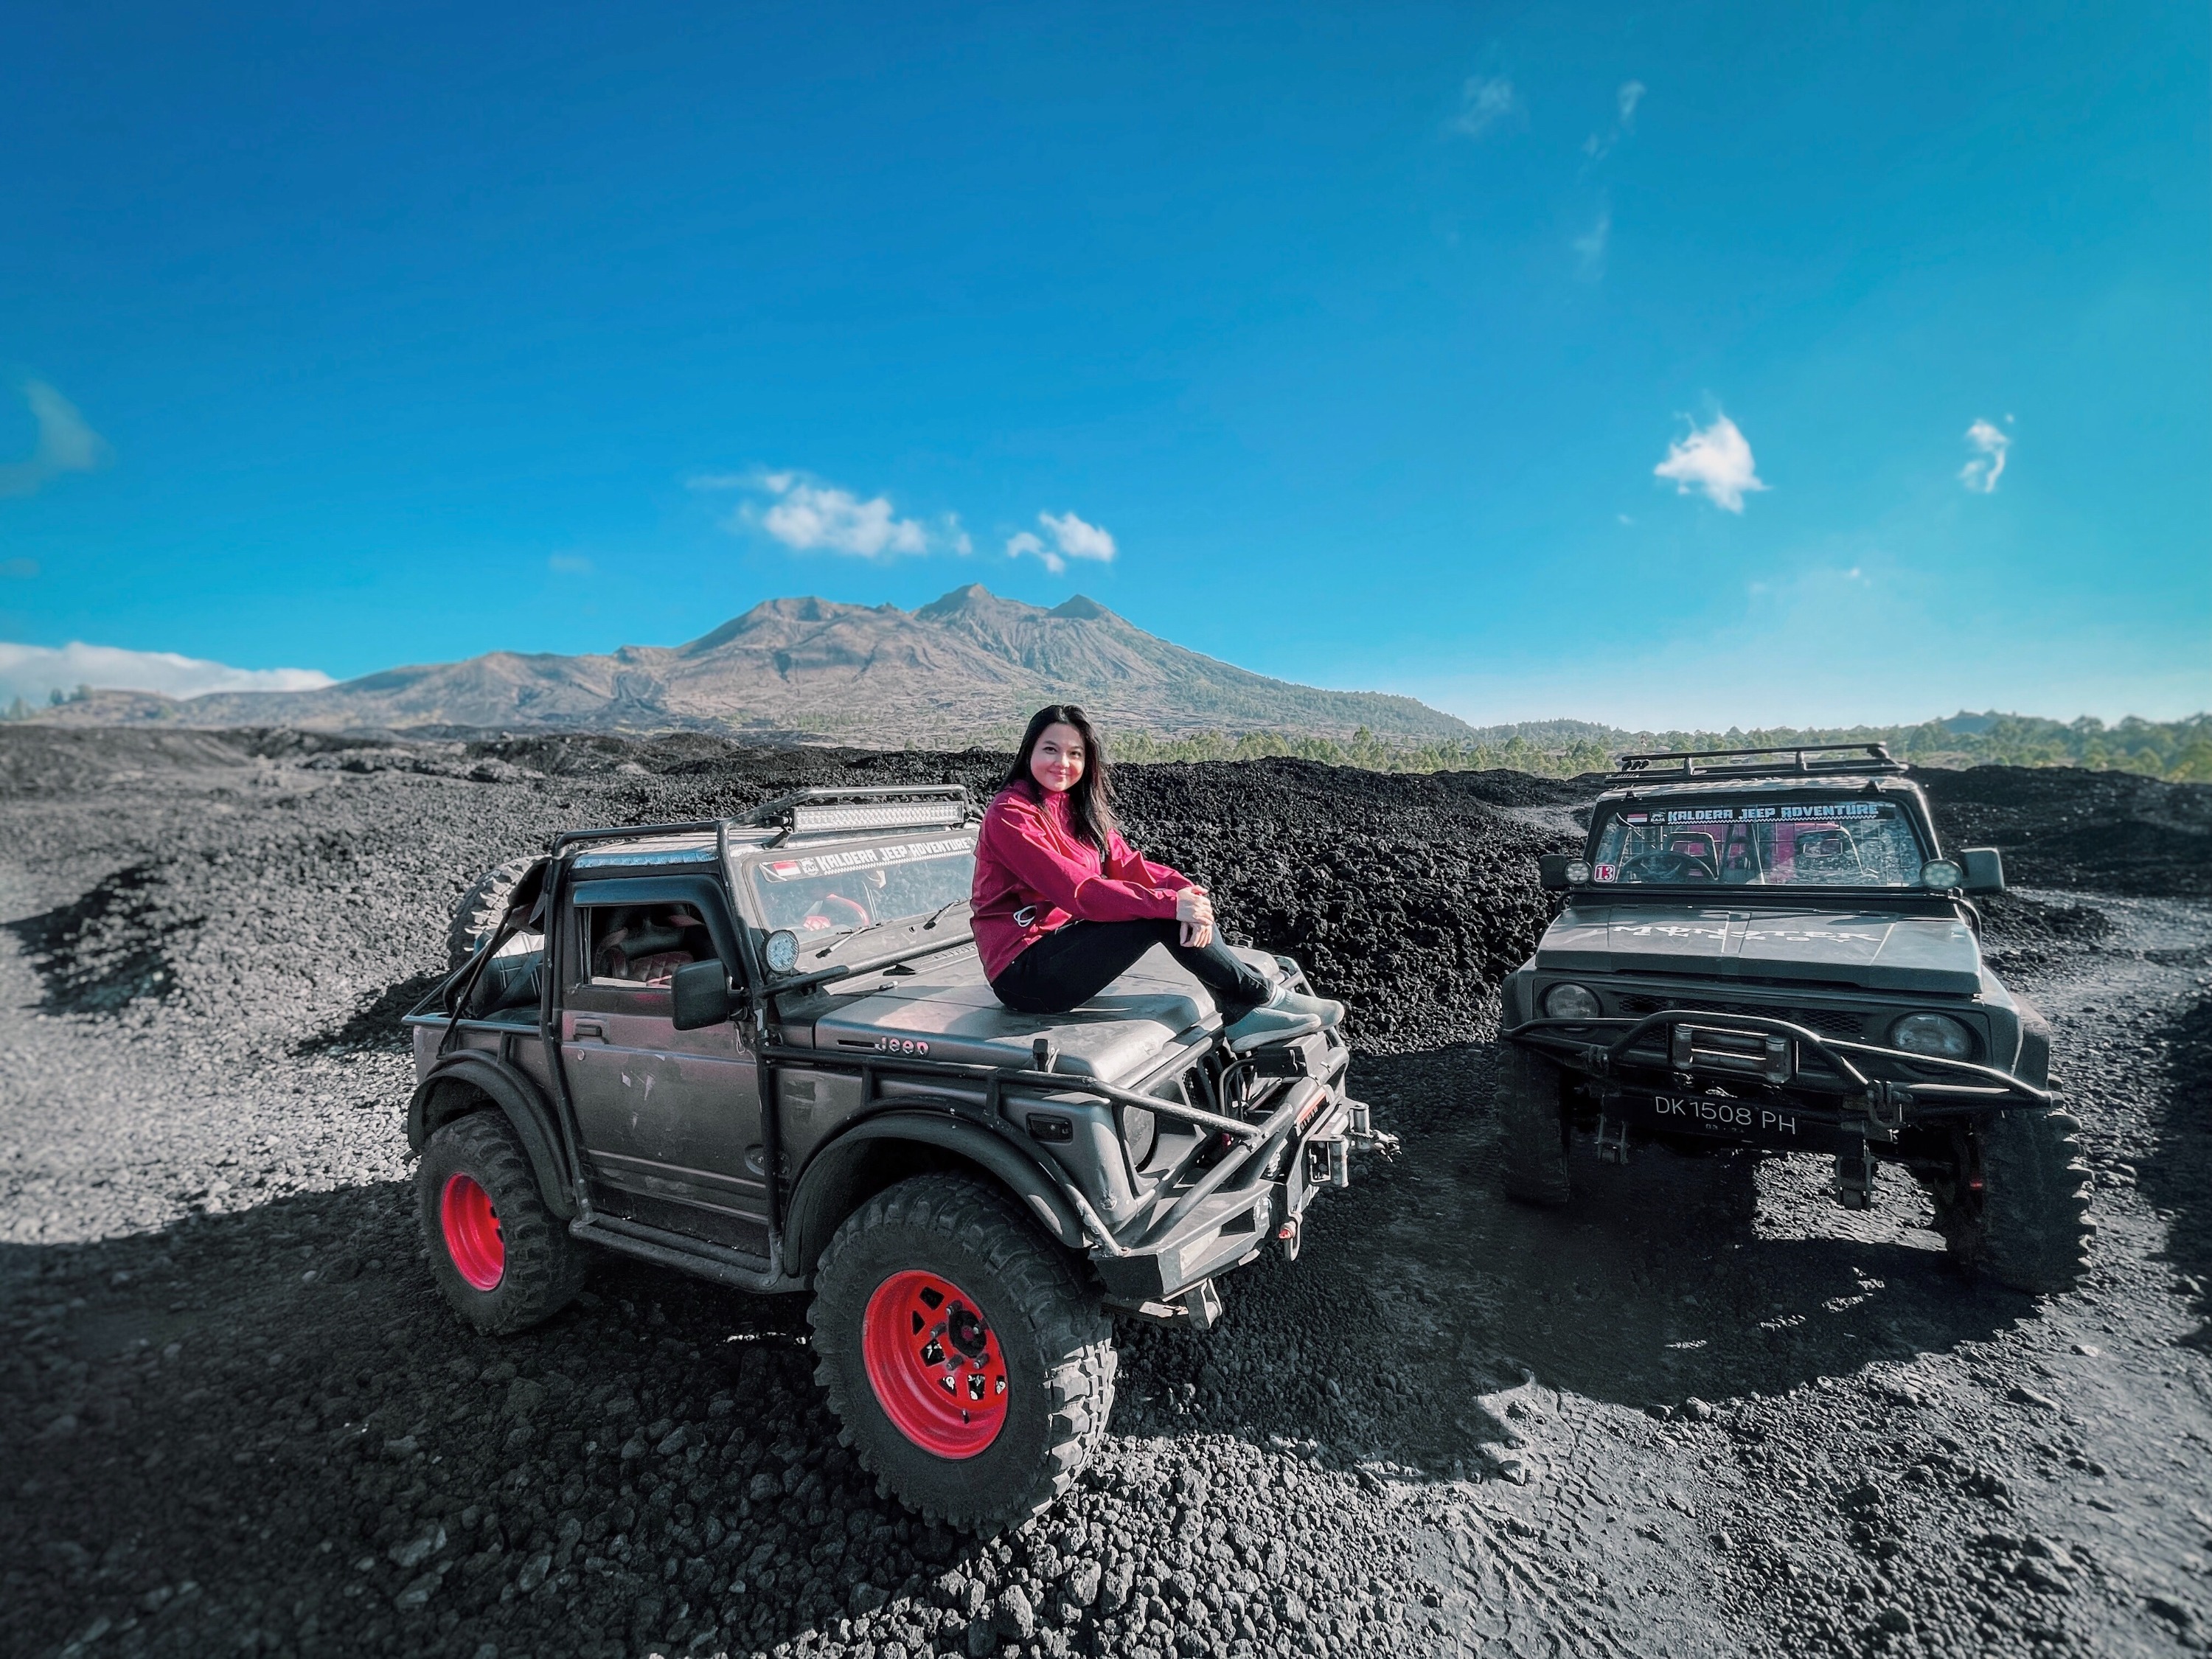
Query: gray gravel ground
x=1702 y=1411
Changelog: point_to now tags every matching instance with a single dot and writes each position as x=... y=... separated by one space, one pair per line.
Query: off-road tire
x=1532 y=1127
x=2027 y=1228
x=481 y=909
x=542 y=1267
x=1057 y=1343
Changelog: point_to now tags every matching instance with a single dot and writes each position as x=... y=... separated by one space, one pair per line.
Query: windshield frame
x=1909 y=806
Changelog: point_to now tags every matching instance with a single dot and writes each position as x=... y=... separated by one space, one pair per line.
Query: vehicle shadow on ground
x=1672 y=1280
x=239 y=1423
x=2178 y=1178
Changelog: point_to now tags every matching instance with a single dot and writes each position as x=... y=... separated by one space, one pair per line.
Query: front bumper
x=1763 y=1081
x=1219 y=1218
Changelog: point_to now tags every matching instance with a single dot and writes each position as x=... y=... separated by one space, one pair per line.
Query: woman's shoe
x=1286 y=1015
x=1327 y=1012
x=1268 y=1024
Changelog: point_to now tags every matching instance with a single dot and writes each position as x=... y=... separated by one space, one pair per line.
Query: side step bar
x=691 y=1255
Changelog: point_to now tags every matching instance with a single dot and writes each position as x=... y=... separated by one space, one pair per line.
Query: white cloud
x=1981 y=474
x=1598 y=146
x=1072 y=538
x=1484 y=101
x=1589 y=246
x=1078 y=540
x=65 y=443
x=34 y=671
x=1716 y=459
x=812 y=517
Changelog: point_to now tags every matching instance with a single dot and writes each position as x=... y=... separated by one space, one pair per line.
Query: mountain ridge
x=968 y=666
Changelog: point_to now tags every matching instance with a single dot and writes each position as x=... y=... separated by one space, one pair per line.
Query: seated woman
x=1063 y=907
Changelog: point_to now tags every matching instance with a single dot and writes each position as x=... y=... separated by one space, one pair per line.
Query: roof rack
x=877 y=806
x=633 y=832
x=1805 y=760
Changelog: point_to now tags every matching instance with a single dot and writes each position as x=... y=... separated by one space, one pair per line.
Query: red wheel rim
x=472 y=1236
x=935 y=1365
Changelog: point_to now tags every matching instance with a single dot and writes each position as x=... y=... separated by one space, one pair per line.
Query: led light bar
x=879 y=815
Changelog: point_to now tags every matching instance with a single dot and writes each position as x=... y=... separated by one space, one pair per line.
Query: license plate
x=1718 y=1115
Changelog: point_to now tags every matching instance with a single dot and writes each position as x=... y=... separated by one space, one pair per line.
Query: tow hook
x=1887 y=1106
x=1364 y=1130
x=1612 y=1140
x=1203 y=1304
x=1291 y=1234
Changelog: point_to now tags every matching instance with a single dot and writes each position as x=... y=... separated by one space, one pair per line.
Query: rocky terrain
x=1701 y=1411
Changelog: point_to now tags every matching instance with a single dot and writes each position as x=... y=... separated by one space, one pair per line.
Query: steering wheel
x=1665 y=868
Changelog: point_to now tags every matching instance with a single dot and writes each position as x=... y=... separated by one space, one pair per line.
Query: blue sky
x=1701 y=364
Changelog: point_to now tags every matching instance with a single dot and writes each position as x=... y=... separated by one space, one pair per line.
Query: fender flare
x=516 y=1098
x=821 y=1200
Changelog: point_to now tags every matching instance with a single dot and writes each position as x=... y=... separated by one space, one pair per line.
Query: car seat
x=649 y=949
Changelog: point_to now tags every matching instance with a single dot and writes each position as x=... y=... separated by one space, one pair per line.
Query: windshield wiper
x=844 y=939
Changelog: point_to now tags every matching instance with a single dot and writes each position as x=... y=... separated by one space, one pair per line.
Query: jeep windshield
x=1828 y=843
x=826 y=894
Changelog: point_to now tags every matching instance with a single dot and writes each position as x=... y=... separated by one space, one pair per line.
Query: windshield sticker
x=1810 y=935
x=1605 y=872
x=1828 y=811
x=861 y=858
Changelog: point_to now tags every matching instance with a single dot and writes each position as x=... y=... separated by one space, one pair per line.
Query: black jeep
x=764 y=1052
x=1772 y=949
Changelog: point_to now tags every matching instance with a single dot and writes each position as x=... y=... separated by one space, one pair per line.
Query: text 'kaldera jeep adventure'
x=764 y=1052
x=1778 y=953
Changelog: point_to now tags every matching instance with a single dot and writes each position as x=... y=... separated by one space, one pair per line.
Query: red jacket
x=1033 y=873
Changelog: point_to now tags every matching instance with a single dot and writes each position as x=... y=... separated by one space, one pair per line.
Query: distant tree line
x=21 y=710
x=2179 y=751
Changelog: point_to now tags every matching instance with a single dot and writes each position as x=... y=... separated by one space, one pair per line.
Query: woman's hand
x=1194 y=910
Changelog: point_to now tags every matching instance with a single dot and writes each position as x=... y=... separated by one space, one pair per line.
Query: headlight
x=1941 y=875
x=781 y=952
x=1938 y=1035
x=1572 y=1002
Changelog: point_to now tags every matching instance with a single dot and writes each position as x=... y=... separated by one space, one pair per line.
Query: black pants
x=1068 y=967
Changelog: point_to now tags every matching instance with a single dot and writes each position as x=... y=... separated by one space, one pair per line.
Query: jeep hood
x=1874 y=950
x=946 y=1009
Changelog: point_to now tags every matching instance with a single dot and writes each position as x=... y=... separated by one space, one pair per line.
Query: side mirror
x=1552 y=871
x=1985 y=870
x=700 y=991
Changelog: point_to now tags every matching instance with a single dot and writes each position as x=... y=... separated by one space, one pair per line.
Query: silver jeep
x=763 y=1052
x=1772 y=949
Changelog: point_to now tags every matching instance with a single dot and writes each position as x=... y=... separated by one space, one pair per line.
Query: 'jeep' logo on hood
x=892 y=1045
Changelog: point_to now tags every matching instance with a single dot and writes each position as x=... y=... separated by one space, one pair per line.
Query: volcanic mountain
x=970 y=667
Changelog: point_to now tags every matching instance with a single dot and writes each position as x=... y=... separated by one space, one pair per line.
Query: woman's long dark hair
x=1091 y=802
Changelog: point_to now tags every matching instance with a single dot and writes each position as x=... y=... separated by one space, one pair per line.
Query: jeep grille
x=1828 y=1022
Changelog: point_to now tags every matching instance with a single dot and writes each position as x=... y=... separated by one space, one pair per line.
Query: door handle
x=590 y=1030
